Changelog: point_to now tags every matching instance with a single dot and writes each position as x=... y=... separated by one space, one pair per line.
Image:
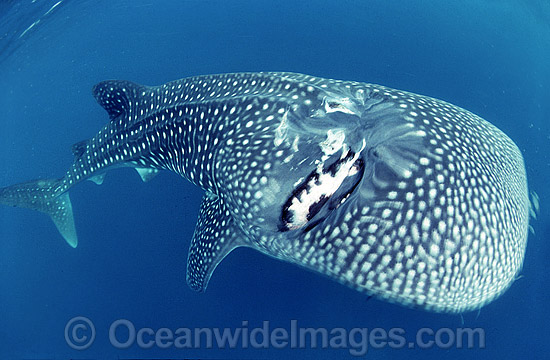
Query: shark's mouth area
x=324 y=190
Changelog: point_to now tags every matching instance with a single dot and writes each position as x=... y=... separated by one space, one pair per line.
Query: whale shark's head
x=404 y=196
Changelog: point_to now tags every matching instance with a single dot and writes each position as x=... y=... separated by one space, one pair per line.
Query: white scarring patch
x=327 y=186
x=295 y=143
x=281 y=131
x=333 y=143
x=344 y=105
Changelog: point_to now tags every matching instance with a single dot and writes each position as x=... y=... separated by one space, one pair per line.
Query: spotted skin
x=399 y=195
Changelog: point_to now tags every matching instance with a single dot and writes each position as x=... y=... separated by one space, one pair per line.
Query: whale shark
x=401 y=196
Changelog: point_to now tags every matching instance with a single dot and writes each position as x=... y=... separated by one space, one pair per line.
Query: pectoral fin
x=216 y=235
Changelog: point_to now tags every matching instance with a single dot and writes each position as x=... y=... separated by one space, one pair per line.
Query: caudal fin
x=44 y=196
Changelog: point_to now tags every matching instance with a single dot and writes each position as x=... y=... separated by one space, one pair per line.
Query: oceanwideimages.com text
x=123 y=334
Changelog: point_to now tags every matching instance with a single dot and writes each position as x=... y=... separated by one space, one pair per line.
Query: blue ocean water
x=490 y=57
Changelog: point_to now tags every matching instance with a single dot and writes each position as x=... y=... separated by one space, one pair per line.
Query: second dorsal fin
x=79 y=148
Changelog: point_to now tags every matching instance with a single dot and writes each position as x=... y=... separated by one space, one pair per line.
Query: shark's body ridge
x=402 y=196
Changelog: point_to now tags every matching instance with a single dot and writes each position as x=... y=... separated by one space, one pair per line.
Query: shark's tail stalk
x=48 y=197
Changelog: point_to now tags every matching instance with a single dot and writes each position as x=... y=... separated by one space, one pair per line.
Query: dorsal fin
x=79 y=148
x=115 y=96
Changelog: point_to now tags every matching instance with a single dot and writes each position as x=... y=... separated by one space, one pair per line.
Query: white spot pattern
x=439 y=220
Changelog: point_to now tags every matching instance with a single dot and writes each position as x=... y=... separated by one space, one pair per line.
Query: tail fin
x=44 y=196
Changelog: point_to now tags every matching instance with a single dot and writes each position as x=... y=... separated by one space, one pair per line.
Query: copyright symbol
x=79 y=333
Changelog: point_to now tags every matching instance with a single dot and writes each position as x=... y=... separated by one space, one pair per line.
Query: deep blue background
x=490 y=57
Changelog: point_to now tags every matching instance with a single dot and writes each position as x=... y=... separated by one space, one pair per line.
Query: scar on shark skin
x=398 y=195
